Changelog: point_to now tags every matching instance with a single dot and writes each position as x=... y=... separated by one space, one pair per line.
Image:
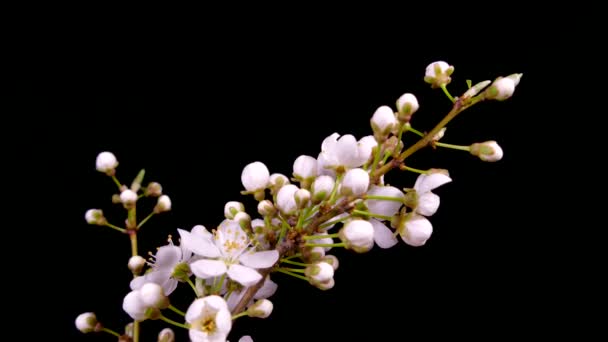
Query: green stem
x=192 y=286
x=376 y=157
x=317 y=237
x=384 y=198
x=117 y=182
x=386 y=155
x=301 y=216
x=337 y=244
x=294 y=262
x=172 y=322
x=365 y=213
x=228 y=294
x=297 y=255
x=239 y=315
x=311 y=212
x=455 y=147
x=145 y=220
x=422 y=172
x=284 y=227
x=417 y=132
x=133 y=237
x=334 y=191
x=291 y=274
x=297 y=270
x=176 y=310
x=447 y=93
x=135 y=331
x=110 y=331
x=122 y=230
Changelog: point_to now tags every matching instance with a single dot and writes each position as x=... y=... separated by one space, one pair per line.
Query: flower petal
x=244 y=275
x=382 y=207
x=195 y=310
x=208 y=268
x=167 y=257
x=383 y=236
x=198 y=244
x=267 y=290
x=428 y=204
x=262 y=259
x=428 y=182
x=202 y=231
x=417 y=230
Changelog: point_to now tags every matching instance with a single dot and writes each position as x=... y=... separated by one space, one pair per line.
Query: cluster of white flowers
x=337 y=200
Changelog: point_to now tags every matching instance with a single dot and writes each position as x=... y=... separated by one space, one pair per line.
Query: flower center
x=208 y=325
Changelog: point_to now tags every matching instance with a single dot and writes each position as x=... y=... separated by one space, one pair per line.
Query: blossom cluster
x=335 y=198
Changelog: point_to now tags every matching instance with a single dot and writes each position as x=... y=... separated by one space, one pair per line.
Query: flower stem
x=447 y=93
x=172 y=322
x=145 y=220
x=384 y=198
x=110 y=331
x=133 y=237
x=116 y=182
x=297 y=255
x=334 y=191
x=176 y=310
x=365 y=213
x=244 y=313
x=291 y=274
x=192 y=286
x=122 y=230
x=135 y=331
x=297 y=270
x=294 y=262
x=417 y=132
x=405 y=167
x=317 y=237
x=337 y=244
x=455 y=147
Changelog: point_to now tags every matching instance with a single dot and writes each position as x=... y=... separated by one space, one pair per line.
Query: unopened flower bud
x=320 y=272
x=163 y=204
x=153 y=189
x=503 y=87
x=261 y=309
x=358 y=235
x=106 y=162
x=474 y=90
x=326 y=285
x=488 y=151
x=128 y=198
x=266 y=208
x=136 y=264
x=166 y=335
x=322 y=188
x=286 y=201
x=383 y=121
x=302 y=197
x=153 y=295
x=305 y=170
x=95 y=216
x=277 y=181
x=313 y=254
x=407 y=105
x=355 y=183
x=438 y=74
x=255 y=176
x=415 y=230
x=86 y=322
x=134 y=306
x=332 y=260
x=246 y=338
x=244 y=220
x=232 y=208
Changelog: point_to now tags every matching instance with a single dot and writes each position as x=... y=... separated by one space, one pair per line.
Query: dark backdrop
x=193 y=109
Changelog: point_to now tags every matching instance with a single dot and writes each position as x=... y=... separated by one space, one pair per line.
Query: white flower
x=128 y=197
x=322 y=188
x=326 y=285
x=488 y=151
x=416 y=230
x=277 y=180
x=383 y=121
x=232 y=208
x=166 y=335
x=501 y=89
x=106 y=162
x=384 y=207
x=358 y=235
x=266 y=208
x=438 y=73
x=355 y=182
x=320 y=272
x=286 y=201
x=345 y=152
x=236 y=258
x=95 y=216
x=332 y=260
x=136 y=264
x=255 y=176
x=209 y=319
x=134 y=306
x=260 y=309
x=305 y=167
x=407 y=105
x=383 y=236
x=153 y=295
x=427 y=202
x=86 y=322
x=163 y=204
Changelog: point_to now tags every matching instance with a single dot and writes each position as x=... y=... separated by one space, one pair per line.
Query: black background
x=193 y=105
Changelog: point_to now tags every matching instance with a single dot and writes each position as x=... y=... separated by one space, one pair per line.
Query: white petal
x=329 y=143
x=364 y=148
x=428 y=204
x=216 y=302
x=417 y=230
x=426 y=183
x=381 y=207
x=267 y=290
x=347 y=152
x=202 y=231
x=223 y=321
x=255 y=176
x=208 y=268
x=262 y=259
x=195 y=310
x=133 y=305
x=235 y=298
x=383 y=236
x=167 y=257
x=246 y=338
x=199 y=244
x=244 y=275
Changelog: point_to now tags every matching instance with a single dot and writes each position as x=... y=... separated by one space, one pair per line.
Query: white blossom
x=86 y=322
x=305 y=167
x=384 y=207
x=266 y=208
x=407 y=105
x=355 y=182
x=128 y=197
x=260 y=309
x=501 y=89
x=320 y=272
x=344 y=152
x=133 y=305
x=286 y=201
x=383 y=121
x=416 y=230
x=488 y=151
x=95 y=216
x=255 y=176
x=209 y=319
x=358 y=235
x=163 y=204
x=166 y=335
x=302 y=197
x=383 y=236
x=438 y=74
x=232 y=208
x=106 y=162
x=153 y=295
x=427 y=202
x=322 y=188
x=136 y=264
